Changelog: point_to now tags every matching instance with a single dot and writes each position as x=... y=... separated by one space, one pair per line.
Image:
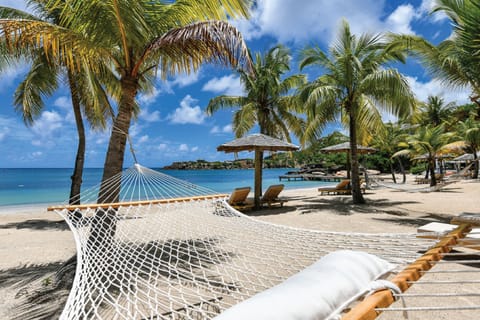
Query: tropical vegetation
x=110 y=51
x=355 y=86
x=42 y=80
x=267 y=102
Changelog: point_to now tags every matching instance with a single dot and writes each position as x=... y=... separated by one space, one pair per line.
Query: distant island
x=221 y=165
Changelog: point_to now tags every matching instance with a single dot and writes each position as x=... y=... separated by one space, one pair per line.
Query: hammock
x=414 y=189
x=174 y=250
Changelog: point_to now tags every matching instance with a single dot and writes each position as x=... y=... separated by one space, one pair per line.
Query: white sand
x=32 y=236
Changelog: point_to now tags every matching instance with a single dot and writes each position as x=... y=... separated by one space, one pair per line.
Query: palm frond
x=40 y=81
x=184 y=49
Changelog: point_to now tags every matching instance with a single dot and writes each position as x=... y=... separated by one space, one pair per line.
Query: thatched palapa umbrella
x=345 y=147
x=258 y=143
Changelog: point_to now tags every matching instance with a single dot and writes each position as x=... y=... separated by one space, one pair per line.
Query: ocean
x=52 y=186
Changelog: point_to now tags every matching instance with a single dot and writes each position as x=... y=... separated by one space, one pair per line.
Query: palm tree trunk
x=475 y=164
x=118 y=140
x=433 y=180
x=392 y=170
x=103 y=226
x=77 y=174
x=258 y=178
x=402 y=170
x=355 y=179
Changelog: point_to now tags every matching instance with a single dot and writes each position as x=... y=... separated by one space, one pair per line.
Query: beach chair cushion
x=320 y=291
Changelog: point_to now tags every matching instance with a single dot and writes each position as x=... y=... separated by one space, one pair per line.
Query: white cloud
x=183 y=79
x=149 y=97
x=37 y=154
x=183 y=147
x=162 y=147
x=399 y=20
x=45 y=128
x=148 y=116
x=426 y=8
x=10 y=74
x=63 y=103
x=286 y=20
x=194 y=149
x=143 y=139
x=48 y=122
x=187 y=113
x=435 y=87
x=3 y=134
x=228 y=85
x=224 y=129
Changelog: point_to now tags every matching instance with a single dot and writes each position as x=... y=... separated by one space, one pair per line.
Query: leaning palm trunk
x=392 y=171
x=355 y=181
x=402 y=170
x=77 y=174
x=105 y=220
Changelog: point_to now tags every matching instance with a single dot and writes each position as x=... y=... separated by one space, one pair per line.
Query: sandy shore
x=32 y=239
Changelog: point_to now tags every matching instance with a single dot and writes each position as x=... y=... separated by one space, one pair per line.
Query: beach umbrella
x=466 y=157
x=345 y=147
x=258 y=143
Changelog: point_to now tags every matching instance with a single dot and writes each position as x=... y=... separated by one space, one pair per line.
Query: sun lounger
x=270 y=197
x=238 y=199
x=343 y=187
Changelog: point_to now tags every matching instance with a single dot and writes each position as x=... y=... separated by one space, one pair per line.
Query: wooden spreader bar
x=117 y=205
x=365 y=310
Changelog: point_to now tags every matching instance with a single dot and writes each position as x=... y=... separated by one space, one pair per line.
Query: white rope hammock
x=411 y=188
x=175 y=250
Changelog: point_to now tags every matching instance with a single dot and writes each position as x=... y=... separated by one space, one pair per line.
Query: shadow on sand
x=37 y=224
x=342 y=205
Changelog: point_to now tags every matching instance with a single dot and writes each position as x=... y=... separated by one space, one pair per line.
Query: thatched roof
x=257 y=142
x=344 y=147
x=466 y=157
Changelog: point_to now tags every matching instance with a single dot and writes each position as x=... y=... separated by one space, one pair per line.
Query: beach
x=34 y=241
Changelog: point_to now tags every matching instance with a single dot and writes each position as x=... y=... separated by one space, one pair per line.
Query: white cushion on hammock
x=320 y=291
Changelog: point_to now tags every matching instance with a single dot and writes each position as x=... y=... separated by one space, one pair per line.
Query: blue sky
x=173 y=125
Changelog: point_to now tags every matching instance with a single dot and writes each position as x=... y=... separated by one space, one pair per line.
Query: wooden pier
x=309 y=177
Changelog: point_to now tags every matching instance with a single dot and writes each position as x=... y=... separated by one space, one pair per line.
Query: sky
x=173 y=126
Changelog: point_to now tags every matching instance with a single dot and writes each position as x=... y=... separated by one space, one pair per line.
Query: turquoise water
x=46 y=186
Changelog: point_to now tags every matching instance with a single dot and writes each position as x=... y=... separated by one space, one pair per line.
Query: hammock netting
x=190 y=255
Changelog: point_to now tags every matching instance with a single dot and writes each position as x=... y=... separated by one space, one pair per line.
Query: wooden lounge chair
x=270 y=197
x=238 y=199
x=343 y=187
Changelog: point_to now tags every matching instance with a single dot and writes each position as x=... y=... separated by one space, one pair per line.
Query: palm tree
x=42 y=80
x=266 y=102
x=136 y=38
x=455 y=60
x=430 y=142
x=355 y=85
x=469 y=130
x=388 y=141
x=435 y=111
